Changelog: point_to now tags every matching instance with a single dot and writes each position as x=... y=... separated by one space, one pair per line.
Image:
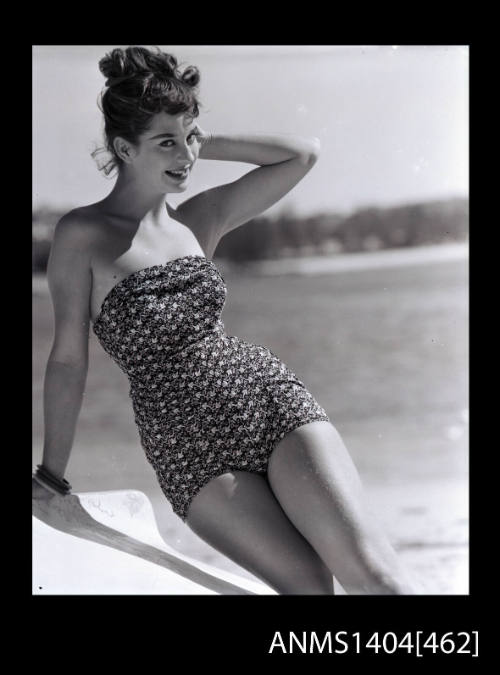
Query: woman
x=243 y=452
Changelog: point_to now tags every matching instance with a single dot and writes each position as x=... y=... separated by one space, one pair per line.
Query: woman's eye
x=191 y=138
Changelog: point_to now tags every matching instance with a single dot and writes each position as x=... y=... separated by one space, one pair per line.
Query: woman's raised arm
x=283 y=160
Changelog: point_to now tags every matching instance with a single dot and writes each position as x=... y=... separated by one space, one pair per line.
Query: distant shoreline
x=345 y=262
x=341 y=262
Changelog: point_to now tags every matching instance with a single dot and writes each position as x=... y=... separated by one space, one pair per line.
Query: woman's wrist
x=51 y=480
x=46 y=486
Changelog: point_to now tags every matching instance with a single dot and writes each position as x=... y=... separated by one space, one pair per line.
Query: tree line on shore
x=326 y=233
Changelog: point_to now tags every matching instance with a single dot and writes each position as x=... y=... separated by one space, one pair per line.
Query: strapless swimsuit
x=204 y=402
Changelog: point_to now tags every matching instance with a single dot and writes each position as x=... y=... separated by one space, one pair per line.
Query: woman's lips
x=178 y=175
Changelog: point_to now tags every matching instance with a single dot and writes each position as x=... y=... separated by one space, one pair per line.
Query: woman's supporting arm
x=70 y=281
x=64 y=386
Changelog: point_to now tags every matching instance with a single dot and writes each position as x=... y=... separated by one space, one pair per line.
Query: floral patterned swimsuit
x=204 y=402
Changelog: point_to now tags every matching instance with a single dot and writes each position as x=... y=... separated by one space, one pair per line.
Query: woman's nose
x=187 y=152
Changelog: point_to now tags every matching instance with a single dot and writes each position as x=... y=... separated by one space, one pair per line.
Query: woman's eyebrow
x=164 y=135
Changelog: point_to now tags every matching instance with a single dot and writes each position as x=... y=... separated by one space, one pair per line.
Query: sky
x=392 y=120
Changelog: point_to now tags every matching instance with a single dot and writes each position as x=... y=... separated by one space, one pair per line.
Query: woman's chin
x=175 y=186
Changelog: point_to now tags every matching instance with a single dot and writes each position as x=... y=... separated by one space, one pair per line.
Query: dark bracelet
x=61 y=485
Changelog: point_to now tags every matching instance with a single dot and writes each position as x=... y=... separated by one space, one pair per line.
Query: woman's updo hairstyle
x=139 y=83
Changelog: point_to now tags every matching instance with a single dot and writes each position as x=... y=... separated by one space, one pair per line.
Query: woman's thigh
x=238 y=514
x=317 y=484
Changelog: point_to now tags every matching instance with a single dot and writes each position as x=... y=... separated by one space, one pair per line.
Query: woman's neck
x=127 y=200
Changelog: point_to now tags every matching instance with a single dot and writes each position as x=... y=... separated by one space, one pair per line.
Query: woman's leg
x=315 y=480
x=238 y=515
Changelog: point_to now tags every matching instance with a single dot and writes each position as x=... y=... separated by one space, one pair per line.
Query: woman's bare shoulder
x=83 y=218
x=198 y=209
x=80 y=226
x=200 y=214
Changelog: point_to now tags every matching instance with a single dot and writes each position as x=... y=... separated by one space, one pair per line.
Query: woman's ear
x=124 y=149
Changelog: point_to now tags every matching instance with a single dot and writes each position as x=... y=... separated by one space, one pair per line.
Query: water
x=385 y=351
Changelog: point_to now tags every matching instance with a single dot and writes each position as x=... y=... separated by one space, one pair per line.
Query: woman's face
x=170 y=145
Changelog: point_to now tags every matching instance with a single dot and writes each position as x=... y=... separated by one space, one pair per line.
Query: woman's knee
x=311 y=578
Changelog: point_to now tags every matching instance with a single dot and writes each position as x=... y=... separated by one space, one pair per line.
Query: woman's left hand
x=58 y=511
